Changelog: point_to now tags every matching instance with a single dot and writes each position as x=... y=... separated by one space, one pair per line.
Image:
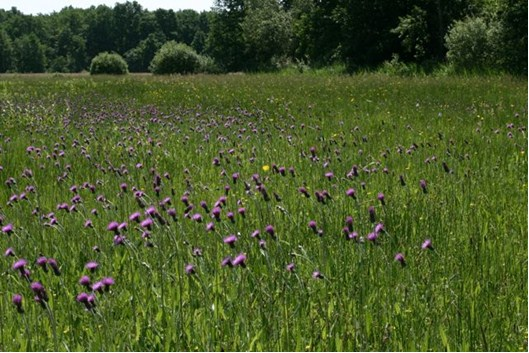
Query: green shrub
x=107 y=63
x=472 y=44
x=175 y=58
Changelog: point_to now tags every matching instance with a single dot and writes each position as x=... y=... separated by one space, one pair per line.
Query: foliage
x=470 y=44
x=140 y=57
x=108 y=63
x=29 y=54
x=413 y=33
x=175 y=58
x=225 y=41
x=266 y=30
x=251 y=35
x=6 y=49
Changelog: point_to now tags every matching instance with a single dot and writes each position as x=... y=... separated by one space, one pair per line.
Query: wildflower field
x=263 y=212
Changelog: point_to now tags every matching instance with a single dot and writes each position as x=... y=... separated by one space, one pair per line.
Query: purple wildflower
x=317 y=275
x=54 y=266
x=239 y=260
x=17 y=301
x=423 y=185
x=190 y=269
x=230 y=240
x=226 y=262
x=270 y=230
x=135 y=217
x=210 y=226
x=400 y=258
x=290 y=267
x=41 y=262
x=85 y=281
x=427 y=244
x=108 y=282
x=91 y=266
x=381 y=198
x=372 y=215
x=313 y=225
x=20 y=265
x=8 y=229
x=9 y=252
x=113 y=226
x=147 y=223
x=197 y=217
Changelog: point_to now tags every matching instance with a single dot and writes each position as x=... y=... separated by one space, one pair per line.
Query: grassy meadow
x=263 y=212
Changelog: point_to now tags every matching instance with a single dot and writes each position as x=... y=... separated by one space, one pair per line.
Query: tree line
x=254 y=35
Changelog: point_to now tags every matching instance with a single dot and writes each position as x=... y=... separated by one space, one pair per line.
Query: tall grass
x=465 y=137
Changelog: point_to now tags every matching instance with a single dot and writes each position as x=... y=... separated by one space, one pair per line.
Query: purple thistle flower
x=239 y=260
x=17 y=301
x=262 y=244
x=329 y=175
x=313 y=225
x=349 y=222
x=226 y=262
x=427 y=244
x=54 y=266
x=256 y=233
x=20 y=265
x=151 y=211
x=98 y=287
x=8 y=229
x=379 y=228
x=423 y=185
x=91 y=266
x=230 y=216
x=197 y=252
x=135 y=217
x=123 y=226
x=230 y=240
x=82 y=297
x=107 y=282
x=400 y=258
x=270 y=230
x=372 y=215
x=352 y=236
x=113 y=226
x=197 y=217
x=372 y=237
x=242 y=211
x=85 y=281
x=304 y=191
x=123 y=187
x=317 y=275
x=210 y=227
x=216 y=213
x=381 y=198
x=147 y=223
x=41 y=262
x=290 y=267
x=9 y=252
x=351 y=193
x=119 y=240
x=190 y=269
x=39 y=290
x=88 y=224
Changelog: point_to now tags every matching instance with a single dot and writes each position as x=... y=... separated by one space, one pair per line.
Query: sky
x=45 y=6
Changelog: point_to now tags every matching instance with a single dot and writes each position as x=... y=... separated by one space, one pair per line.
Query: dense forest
x=254 y=35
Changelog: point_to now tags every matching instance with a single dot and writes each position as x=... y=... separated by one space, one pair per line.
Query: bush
x=106 y=63
x=175 y=58
x=472 y=44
